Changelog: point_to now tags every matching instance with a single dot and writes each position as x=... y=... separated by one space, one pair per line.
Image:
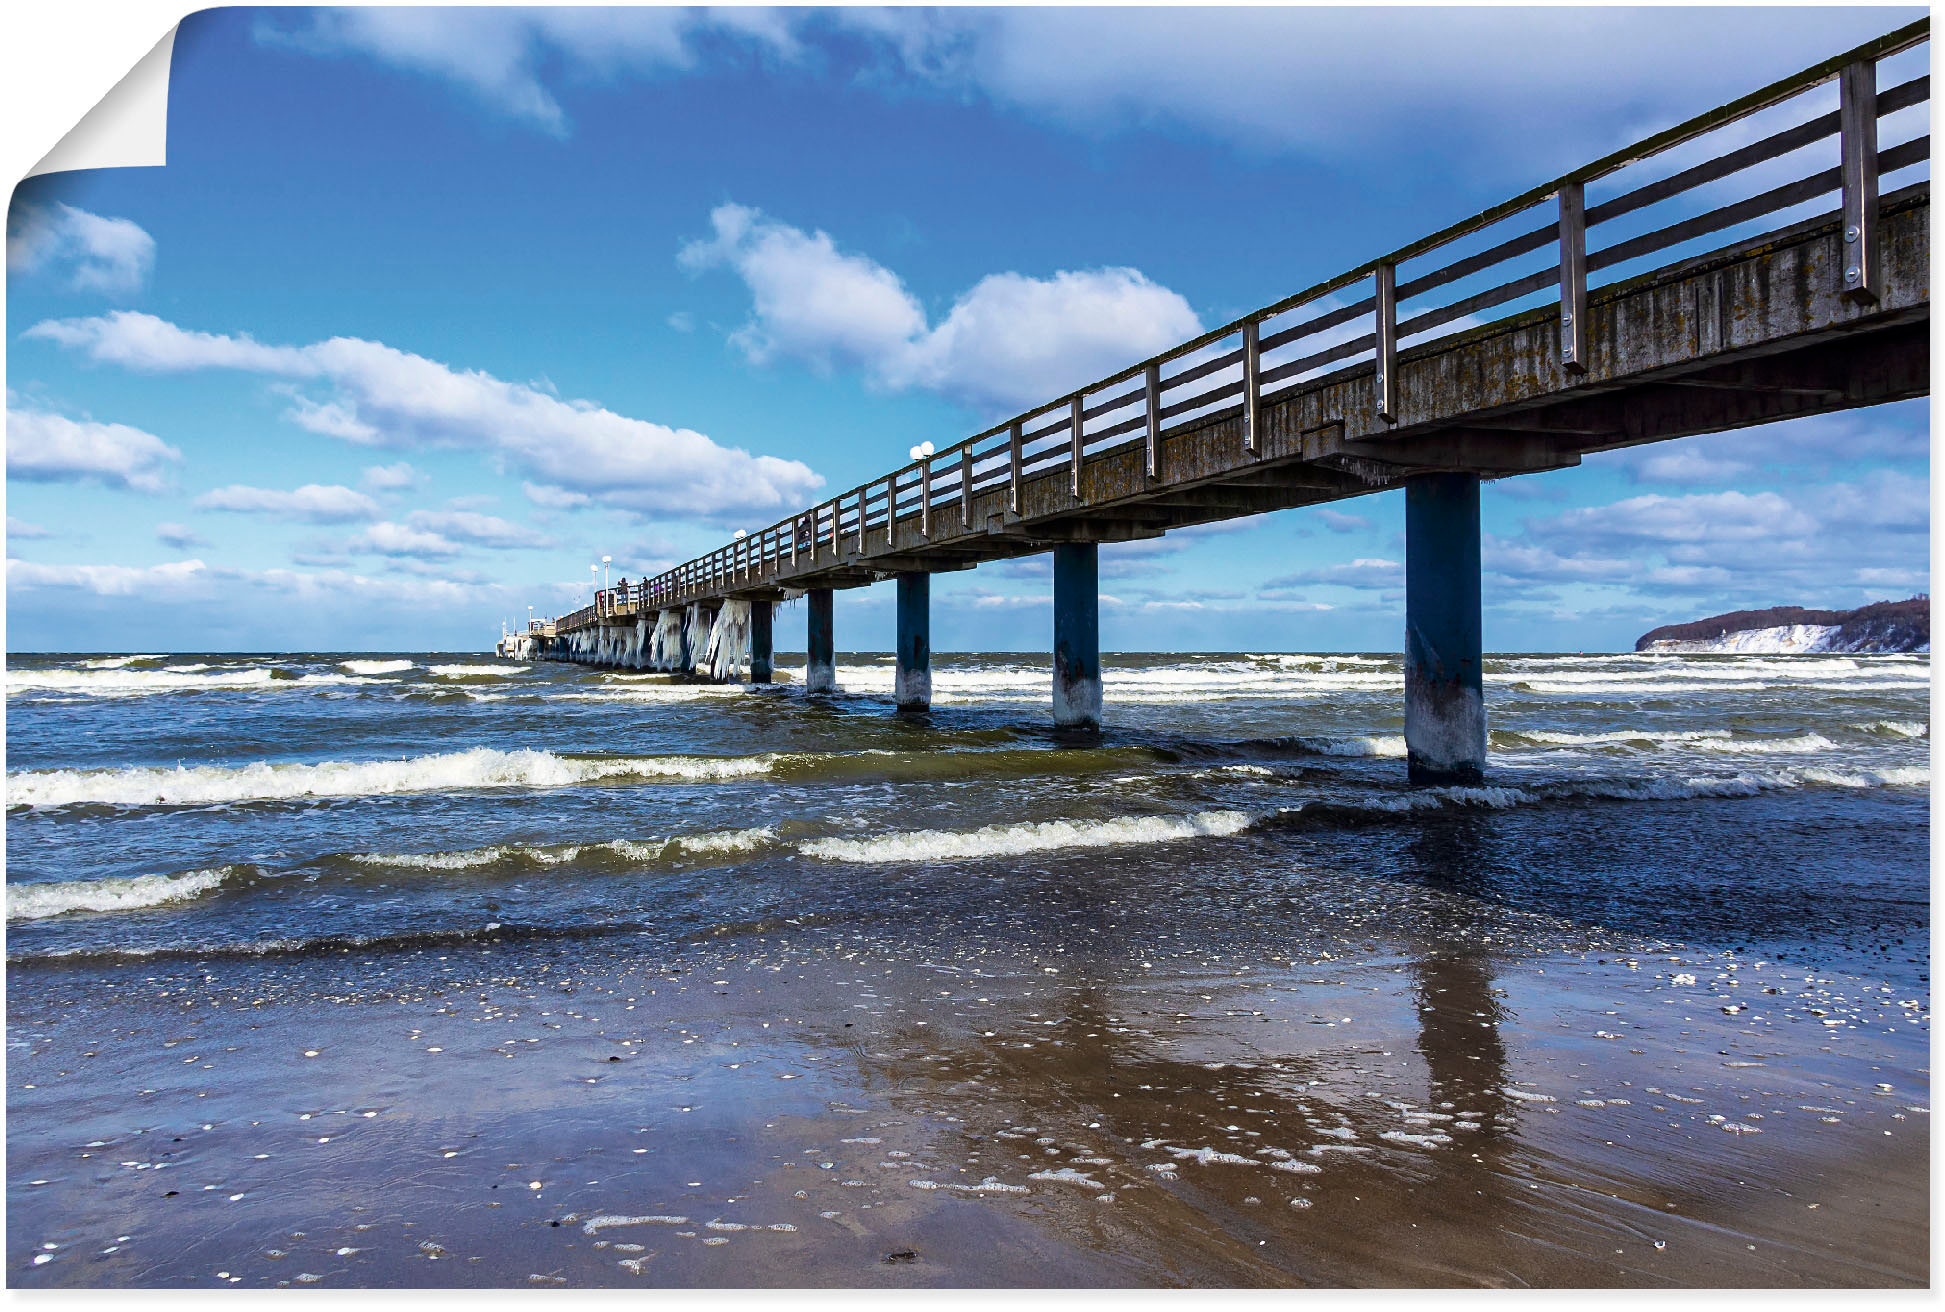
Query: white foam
x=1897 y=728
x=474 y=671
x=39 y=901
x=481 y=767
x=116 y=662
x=642 y=851
x=375 y=667
x=1799 y=745
x=1019 y=839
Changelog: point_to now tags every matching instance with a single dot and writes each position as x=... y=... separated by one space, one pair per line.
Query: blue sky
x=429 y=309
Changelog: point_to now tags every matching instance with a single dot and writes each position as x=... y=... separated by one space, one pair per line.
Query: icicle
x=729 y=641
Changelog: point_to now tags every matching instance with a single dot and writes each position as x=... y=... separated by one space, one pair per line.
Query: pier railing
x=1813 y=143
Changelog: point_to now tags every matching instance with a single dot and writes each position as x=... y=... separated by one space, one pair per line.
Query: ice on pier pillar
x=913 y=686
x=762 y=624
x=820 y=648
x=1077 y=636
x=1445 y=707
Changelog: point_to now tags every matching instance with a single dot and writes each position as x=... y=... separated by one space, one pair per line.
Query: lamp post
x=604 y=572
x=594 y=581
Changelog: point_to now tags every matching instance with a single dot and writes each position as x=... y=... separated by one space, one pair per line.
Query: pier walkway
x=1764 y=261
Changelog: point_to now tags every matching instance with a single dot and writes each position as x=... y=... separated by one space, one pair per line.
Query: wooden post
x=1857 y=121
x=1151 y=459
x=891 y=511
x=1076 y=421
x=1387 y=333
x=1252 y=389
x=925 y=497
x=862 y=494
x=1573 y=278
x=1013 y=484
x=965 y=487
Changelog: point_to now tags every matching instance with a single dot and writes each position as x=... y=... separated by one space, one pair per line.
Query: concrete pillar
x=762 y=616
x=1445 y=707
x=1077 y=636
x=820 y=654
x=913 y=688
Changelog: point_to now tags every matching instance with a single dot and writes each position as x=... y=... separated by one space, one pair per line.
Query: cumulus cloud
x=43 y=447
x=387 y=538
x=382 y=396
x=92 y=253
x=1840 y=542
x=1009 y=342
x=480 y=530
x=315 y=503
x=179 y=536
x=1819 y=445
x=21 y=530
x=173 y=578
x=391 y=478
x=1338 y=521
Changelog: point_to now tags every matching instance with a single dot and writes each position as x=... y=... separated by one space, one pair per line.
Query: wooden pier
x=1481 y=351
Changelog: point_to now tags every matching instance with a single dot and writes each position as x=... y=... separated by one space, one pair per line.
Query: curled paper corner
x=128 y=127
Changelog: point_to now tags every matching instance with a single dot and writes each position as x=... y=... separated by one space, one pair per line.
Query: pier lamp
x=594 y=580
x=604 y=572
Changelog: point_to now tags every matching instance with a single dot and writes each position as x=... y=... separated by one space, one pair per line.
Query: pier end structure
x=1445 y=707
x=820 y=653
x=1077 y=635
x=913 y=678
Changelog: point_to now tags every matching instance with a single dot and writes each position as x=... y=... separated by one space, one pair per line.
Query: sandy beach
x=786 y=1106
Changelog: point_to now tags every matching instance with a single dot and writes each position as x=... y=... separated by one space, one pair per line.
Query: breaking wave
x=1019 y=839
x=632 y=850
x=120 y=681
x=480 y=767
x=376 y=667
x=40 y=901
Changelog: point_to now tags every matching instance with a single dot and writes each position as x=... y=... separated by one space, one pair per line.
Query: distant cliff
x=1884 y=626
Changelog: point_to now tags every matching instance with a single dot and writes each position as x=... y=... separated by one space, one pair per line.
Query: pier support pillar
x=762 y=622
x=1445 y=707
x=913 y=688
x=820 y=647
x=1077 y=636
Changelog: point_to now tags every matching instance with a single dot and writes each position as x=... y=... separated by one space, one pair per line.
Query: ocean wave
x=1555 y=738
x=479 y=767
x=376 y=667
x=126 y=682
x=1798 y=745
x=117 y=662
x=475 y=671
x=1896 y=728
x=634 y=850
x=1020 y=839
x=133 y=893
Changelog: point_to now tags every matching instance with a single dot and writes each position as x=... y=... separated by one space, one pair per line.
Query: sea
x=221 y=804
x=1743 y=838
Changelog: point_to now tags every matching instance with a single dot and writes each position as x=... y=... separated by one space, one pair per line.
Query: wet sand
x=791 y=1105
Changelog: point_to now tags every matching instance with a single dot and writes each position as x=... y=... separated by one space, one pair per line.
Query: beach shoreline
x=819 y=1112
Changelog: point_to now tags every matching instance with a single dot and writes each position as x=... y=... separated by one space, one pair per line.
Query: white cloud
x=497 y=54
x=173 y=578
x=384 y=396
x=1337 y=521
x=391 y=478
x=555 y=498
x=1009 y=342
x=179 y=536
x=96 y=254
x=1459 y=83
x=386 y=538
x=1365 y=572
x=481 y=530
x=21 y=530
x=48 y=448
x=316 y=503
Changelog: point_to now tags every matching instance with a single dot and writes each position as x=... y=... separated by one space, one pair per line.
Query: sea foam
x=39 y=901
x=480 y=767
x=1019 y=839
